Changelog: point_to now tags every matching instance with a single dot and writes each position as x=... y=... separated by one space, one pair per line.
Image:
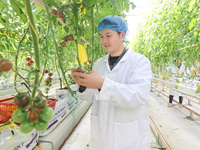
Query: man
x=178 y=70
x=119 y=87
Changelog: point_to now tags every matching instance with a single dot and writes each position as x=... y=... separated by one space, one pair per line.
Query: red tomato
x=40 y=102
x=49 y=79
x=28 y=64
x=54 y=12
x=59 y=14
x=21 y=99
x=28 y=58
x=45 y=71
x=63 y=44
x=69 y=37
x=30 y=61
x=50 y=74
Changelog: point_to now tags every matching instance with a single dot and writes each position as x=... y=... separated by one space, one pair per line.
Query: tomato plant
x=168 y=34
x=32 y=33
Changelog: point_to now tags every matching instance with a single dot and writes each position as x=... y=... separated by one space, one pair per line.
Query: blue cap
x=115 y=23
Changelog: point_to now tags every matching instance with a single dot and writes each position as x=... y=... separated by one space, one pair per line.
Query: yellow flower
x=156 y=81
x=177 y=70
x=183 y=79
x=164 y=74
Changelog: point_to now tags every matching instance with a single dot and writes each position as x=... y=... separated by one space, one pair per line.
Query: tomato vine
x=172 y=30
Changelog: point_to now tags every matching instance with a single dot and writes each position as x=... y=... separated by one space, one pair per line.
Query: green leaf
x=192 y=23
x=17 y=8
x=4 y=21
x=198 y=27
x=66 y=29
x=133 y=5
x=191 y=5
x=195 y=33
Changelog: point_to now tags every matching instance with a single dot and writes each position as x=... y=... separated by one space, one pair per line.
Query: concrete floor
x=180 y=132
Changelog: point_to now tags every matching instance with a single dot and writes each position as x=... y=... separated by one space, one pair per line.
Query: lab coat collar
x=124 y=58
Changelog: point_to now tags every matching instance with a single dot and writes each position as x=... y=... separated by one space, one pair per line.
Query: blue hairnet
x=113 y=23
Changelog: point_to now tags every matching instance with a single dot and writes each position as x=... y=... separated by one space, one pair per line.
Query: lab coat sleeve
x=87 y=95
x=133 y=94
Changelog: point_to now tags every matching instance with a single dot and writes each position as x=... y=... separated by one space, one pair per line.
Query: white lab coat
x=182 y=69
x=119 y=118
x=173 y=70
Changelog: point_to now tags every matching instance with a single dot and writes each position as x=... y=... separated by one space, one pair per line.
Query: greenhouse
x=100 y=75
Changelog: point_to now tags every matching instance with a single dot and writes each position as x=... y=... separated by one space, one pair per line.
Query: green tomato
x=47 y=113
x=27 y=126
x=41 y=125
x=19 y=116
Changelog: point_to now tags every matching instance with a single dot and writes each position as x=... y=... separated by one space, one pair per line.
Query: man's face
x=111 y=41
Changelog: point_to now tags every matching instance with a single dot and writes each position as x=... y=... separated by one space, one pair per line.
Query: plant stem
x=92 y=37
x=59 y=61
x=45 y=62
x=16 y=57
x=28 y=7
x=76 y=32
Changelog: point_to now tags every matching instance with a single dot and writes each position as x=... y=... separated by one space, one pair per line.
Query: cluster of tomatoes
x=48 y=81
x=30 y=61
x=66 y=39
x=5 y=65
x=32 y=112
x=59 y=14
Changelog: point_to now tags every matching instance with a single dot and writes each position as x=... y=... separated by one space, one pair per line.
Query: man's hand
x=91 y=79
